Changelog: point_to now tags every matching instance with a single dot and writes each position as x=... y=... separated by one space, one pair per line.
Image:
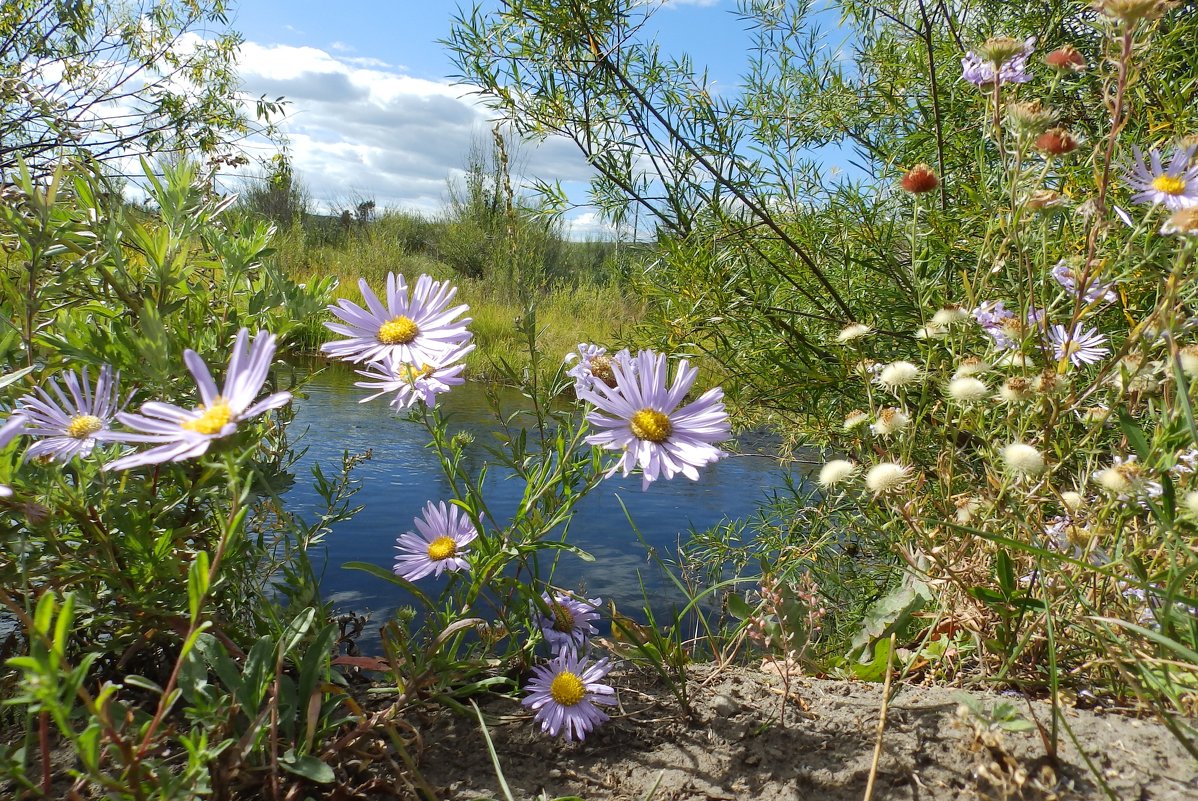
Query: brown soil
x=735 y=748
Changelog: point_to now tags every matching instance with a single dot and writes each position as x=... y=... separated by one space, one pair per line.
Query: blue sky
x=373 y=112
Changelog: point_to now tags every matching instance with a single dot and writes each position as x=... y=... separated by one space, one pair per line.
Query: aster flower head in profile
x=438 y=545
x=69 y=423
x=569 y=619
x=8 y=432
x=1175 y=187
x=412 y=383
x=1094 y=288
x=564 y=692
x=999 y=59
x=187 y=433
x=642 y=417
x=409 y=329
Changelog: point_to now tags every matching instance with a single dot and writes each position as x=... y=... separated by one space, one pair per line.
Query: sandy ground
x=735 y=747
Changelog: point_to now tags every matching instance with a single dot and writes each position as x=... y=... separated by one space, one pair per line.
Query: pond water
x=403 y=475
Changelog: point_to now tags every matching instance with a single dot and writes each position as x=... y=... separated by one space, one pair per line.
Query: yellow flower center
x=410 y=372
x=212 y=418
x=83 y=426
x=652 y=425
x=1169 y=184
x=567 y=689
x=442 y=548
x=1071 y=347
x=398 y=331
x=563 y=621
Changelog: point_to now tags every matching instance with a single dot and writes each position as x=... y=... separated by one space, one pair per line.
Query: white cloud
x=358 y=127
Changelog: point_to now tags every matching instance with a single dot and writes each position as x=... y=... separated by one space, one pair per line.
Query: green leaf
x=738 y=607
x=197 y=583
x=307 y=767
x=891 y=613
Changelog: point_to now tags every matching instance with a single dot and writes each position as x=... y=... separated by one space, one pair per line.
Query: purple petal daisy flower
x=594 y=363
x=68 y=424
x=646 y=425
x=1000 y=324
x=186 y=433
x=444 y=531
x=1175 y=187
x=563 y=694
x=8 y=432
x=410 y=330
x=1079 y=346
x=414 y=384
x=568 y=624
x=1095 y=288
x=981 y=72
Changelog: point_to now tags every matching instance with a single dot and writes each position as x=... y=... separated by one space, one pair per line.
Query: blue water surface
x=403 y=475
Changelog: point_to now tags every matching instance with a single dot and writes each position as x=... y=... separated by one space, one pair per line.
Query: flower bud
x=1066 y=59
x=1056 y=142
x=919 y=179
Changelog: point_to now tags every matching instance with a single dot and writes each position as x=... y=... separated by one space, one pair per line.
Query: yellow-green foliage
x=567 y=314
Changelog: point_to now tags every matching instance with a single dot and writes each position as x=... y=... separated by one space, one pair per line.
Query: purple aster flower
x=1094 y=289
x=68 y=424
x=594 y=363
x=437 y=545
x=409 y=330
x=568 y=624
x=8 y=432
x=1079 y=346
x=981 y=71
x=1002 y=325
x=1176 y=187
x=187 y=433
x=415 y=384
x=563 y=694
x=646 y=424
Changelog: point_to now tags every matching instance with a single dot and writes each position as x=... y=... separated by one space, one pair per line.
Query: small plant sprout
x=438 y=544
x=1023 y=460
x=563 y=695
x=836 y=472
x=886 y=477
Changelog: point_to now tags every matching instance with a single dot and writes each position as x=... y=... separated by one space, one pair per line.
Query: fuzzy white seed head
x=1114 y=480
x=1023 y=460
x=854 y=419
x=967 y=390
x=931 y=331
x=1050 y=382
x=853 y=331
x=970 y=367
x=1072 y=501
x=1191 y=503
x=1188 y=357
x=890 y=421
x=887 y=477
x=898 y=374
x=949 y=315
x=1016 y=389
x=1014 y=360
x=967 y=508
x=836 y=471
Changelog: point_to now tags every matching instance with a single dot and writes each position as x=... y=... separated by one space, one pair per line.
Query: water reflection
x=404 y=474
